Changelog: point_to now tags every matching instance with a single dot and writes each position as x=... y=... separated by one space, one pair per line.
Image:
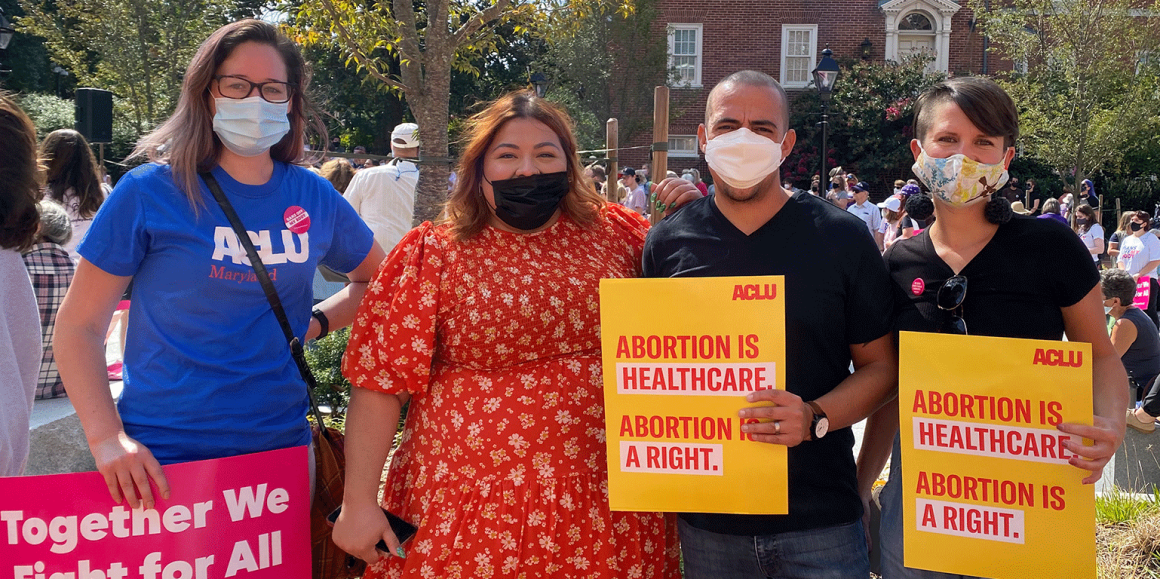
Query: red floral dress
x=502 y=463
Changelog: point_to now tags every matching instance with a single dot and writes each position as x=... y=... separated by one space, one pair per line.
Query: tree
x=604 y=66
x=139 y=49
x=871 y=114
x=1081 y=98
x=427 y=40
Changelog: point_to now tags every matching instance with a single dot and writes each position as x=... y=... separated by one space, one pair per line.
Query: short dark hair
x=1117 y=283
x=753 y=78
x=1145 y=218
x=985 y=103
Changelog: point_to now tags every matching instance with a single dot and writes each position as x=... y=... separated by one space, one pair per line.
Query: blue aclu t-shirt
x=207 y=369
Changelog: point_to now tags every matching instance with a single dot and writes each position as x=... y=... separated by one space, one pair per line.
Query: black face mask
x=527 y=203
x=1081 y=220
x=1136 y=226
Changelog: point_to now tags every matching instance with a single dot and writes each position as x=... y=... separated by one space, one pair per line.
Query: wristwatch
x=820 y=425
x=322 y=322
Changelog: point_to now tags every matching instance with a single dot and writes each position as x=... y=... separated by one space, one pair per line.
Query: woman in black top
x=971 y=122
x=1135 y=339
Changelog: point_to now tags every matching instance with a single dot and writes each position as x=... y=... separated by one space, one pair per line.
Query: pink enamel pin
x=297 y=219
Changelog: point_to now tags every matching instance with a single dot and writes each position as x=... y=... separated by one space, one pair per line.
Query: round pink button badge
x=297 y=219
x=917 y=286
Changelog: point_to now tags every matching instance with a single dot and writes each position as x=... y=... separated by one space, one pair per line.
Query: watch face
x=822 y=427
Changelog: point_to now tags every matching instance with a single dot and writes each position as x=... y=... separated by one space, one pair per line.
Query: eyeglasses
x=950 y=298
x=236 y=87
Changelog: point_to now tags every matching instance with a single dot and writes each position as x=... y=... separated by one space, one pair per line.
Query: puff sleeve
x=392 y=341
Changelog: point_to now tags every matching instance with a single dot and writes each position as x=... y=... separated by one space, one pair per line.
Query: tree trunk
x=430 y=107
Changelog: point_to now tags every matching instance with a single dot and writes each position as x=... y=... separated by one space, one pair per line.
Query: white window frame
x=813 y=56
x=700 y=30
x=684 y=153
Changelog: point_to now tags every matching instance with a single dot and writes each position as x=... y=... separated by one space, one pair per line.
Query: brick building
x=784 y=38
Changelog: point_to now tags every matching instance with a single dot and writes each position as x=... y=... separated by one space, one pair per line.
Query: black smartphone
x=402 y=529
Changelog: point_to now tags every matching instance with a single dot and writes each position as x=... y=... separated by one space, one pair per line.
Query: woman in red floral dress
x=488 y=323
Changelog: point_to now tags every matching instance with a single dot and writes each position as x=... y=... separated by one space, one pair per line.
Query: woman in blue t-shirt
x=207 y=371
x=970 y=272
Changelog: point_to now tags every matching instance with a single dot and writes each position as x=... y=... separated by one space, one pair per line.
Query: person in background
x=1123 y=230
x=208 y=373
x=1066 y=202
x=1139 y=256
x=898 y=185
x=892 y=216
x=698 y=183
x=51 y=270
x=1051 y=211
x=1031 y=198
x=73 y=181
x=20 y=347
x=1135 y=339
x=359 y=162
x=1088 y=193
x=980 y=280
x=496 y=348
x=1089 y=230
x=339 y=172
x=868 y=212
x=598 y=175
x=636 y=198
x=385 y=195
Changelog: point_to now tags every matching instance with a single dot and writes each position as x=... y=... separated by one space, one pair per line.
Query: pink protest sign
x=1143 y=292
x=245 y=516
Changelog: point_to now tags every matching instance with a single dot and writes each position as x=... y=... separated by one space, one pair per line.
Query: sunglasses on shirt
x=950 y=299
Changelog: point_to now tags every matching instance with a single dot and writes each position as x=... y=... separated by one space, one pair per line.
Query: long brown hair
x=19 y=177
x=187 y=142
x=1088 y=212
x=71 y=165
x=467 y=211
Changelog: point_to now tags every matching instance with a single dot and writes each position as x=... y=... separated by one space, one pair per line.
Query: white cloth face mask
x=250 y=126
x=743 y=158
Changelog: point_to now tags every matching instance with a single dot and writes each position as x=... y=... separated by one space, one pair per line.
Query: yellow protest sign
x=987 y=488
x=680 y=355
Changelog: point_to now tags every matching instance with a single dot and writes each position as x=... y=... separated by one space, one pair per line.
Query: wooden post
x=660 y=159
x=1118 y=212
x=611 y=182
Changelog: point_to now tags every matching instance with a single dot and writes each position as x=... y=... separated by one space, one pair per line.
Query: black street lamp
x=825 y=75
x=6 y=33
x=541 y=83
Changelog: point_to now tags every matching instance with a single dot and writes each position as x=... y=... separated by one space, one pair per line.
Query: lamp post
x=541 y=83
x=825 y=75
x=59 y=73
x=6 y=33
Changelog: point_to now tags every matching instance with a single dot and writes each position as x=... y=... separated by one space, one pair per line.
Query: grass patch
x=1117 y=507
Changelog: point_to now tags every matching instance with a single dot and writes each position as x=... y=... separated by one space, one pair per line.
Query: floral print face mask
x=958 y=180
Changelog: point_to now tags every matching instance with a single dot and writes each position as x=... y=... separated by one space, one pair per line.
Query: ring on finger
x=777 y=427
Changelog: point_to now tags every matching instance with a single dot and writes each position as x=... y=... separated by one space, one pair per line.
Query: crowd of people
x=486 y=322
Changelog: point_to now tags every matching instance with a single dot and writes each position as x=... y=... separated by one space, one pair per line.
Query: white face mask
x=957 y=179
x=1108 y=310
x=743 y=158
x=250 y=126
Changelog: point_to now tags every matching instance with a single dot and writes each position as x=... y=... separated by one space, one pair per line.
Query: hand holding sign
x=1095 y=457
x=127 y=467
x=784 y=423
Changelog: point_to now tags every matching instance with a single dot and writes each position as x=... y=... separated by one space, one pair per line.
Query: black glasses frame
x=259 y=85
x=950 y=298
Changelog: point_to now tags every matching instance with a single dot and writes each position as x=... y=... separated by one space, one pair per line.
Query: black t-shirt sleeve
x=870 y=299
x=1068 y=269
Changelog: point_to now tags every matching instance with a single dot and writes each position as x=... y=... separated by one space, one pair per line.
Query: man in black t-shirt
x=839 y=306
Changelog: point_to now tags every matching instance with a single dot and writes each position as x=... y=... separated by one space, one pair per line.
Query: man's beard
x=749 y=194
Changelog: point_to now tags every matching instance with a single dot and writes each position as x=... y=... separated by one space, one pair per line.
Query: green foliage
x=138 y=49
x=48 y=113
x=871 y=113
x=1117 y=507
x=602 y=66
x=325 y=359
x=1082 y=104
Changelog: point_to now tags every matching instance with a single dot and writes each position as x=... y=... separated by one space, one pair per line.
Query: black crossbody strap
x=271 y=293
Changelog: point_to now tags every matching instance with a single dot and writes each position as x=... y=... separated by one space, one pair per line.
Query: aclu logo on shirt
x=226 y=245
